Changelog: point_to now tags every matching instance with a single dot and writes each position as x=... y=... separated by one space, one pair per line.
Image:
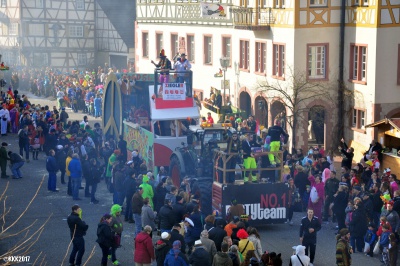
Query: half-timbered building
x=269 y=40
x=67 y=34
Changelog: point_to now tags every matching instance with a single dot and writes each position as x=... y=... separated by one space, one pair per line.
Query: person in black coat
x=61 y=156
x=301 y=180
x=159 y=195
x=162 y=247
x=93 y=179
x=217 y=233
x=374 y=146
x=122 y=146
x=340 y=203
x=358 y=227
x=77 y=229
x=377 y=203
x=310 y=225
x=105 y=237
x=52 y=168
x=130 y=189
x=396 y=199
x=166 y=217
x=199 y=256
x=50 y=141
x=178 y=209
x=175 y=235
x=348 y=154
x=86 y=173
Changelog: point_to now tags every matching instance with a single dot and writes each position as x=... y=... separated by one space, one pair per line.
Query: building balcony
x=177 y=12
x=252 y=18
x=189 y=12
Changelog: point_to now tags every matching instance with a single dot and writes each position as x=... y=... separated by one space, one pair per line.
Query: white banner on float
x=174 y=91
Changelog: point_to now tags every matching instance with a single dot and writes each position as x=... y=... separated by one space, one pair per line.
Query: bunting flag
x=209 y=10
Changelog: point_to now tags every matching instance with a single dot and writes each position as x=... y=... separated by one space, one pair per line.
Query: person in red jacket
x=144 y=251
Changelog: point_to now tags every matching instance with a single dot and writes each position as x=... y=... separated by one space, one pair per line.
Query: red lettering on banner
x=273 y=200
x=264 y=201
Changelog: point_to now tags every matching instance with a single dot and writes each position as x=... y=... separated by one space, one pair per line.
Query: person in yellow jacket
x=244 y=244
x=68 y=173
x=147 y=190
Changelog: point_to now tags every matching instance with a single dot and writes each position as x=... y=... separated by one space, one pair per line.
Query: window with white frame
x=3 y=3
x=226 y=48
x=80 y=4
x=13 y=29
x=75 y=31
x=318 y=2
x=39 y=3
x=174 y=44
x=208 y=50
x=261 y=59
x=358 y=119
x=41 y=59
x=36 y=30
x=358 y=63
x=317 y=56
x=159 y=42
x=244 y=60
x=82 y=59
x=190 y=48
x=9 y=58
x=278 y=69
x=145 y=44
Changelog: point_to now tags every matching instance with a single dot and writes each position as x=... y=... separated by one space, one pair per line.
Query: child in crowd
x=384 y=242
x=369 y=239
x=383 y=221
x=349 y=212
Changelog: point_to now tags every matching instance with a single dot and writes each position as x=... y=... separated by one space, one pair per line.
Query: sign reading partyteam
x=174 y=91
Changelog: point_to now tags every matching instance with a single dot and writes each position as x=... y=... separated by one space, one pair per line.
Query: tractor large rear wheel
x=176 y=171
x=203 y=188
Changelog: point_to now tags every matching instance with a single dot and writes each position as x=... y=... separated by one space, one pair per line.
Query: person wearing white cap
x=200 y=256
x=162 y=247
x=190 y=238
x=182 y=66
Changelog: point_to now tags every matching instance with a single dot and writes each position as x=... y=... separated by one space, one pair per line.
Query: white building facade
x=270 y=41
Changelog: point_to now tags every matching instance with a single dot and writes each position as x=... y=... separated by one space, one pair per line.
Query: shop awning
x=394 y=122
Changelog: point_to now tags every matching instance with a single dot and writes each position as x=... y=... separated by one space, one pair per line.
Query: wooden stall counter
x=391 y=161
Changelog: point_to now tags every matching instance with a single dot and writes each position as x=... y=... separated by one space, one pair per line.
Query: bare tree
x=295 y=92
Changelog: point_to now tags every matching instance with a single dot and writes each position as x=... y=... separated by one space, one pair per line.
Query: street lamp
x=224 y=61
